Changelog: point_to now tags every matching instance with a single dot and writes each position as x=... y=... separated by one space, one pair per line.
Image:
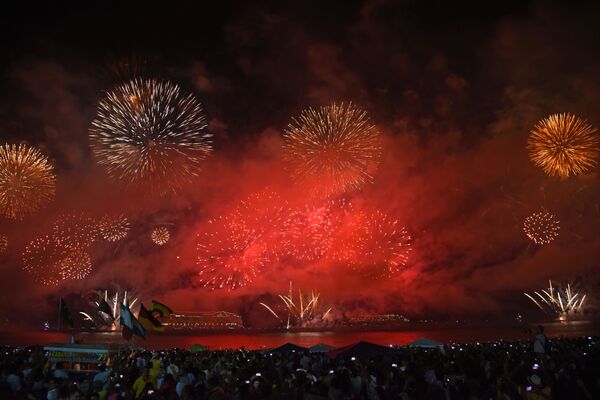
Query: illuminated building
x=205 y=320
x=376 y=320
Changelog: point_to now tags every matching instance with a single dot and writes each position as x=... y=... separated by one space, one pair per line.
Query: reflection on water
x=255 y=340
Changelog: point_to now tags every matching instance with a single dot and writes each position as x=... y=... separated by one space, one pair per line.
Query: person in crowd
x=144 y=383
x=539 y=343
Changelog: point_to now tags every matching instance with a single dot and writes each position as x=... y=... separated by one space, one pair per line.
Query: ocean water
x=259 y=340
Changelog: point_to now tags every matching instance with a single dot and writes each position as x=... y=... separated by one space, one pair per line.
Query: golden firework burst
x=77 y=264
x=335 y=146
x=541 y=227
x=27 y=181
x=75 y=230
x=564 y=145
x=160 y=235
x=41 y=259
x=114 y=227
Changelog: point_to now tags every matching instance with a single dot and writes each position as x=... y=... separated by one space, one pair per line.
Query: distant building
x=205 y=320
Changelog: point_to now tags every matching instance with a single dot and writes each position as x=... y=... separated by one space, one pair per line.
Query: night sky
x=454 y=89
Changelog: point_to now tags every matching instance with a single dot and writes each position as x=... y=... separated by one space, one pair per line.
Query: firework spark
x=564 y=303
x=563 y=145
x=541 y=227
x=306 y=311
x=27 y=181
x=114 y=227
x=78 y=230
x=229 y=255
x=160 y=235
x=335 y=145
x=375 y=245
x=3 y=243
x=149 y=134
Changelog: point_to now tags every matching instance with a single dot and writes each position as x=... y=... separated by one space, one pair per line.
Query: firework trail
x=228 y=254
x=113 y=228
x=564 y=303
x=303 y=312
x=27 y=181
x=541 y=227
x=564 y=145
x=335 y=146
x=160 y=235
x=149 y=134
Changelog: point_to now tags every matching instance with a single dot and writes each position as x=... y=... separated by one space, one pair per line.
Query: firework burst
x=160 y=235
x=27 y=181
x=563 y=145
x=264 y=214
x=77 y=230
x=42 y=260
x=310 y=230
x=303 y=312
x=77 y=264
x=113 y=228
x=564 y=303
x=375 y=245
x=335 y=145
x=229 y=255
x=149 y=134
x=541 y=227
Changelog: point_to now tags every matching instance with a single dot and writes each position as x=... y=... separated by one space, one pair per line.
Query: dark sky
x=454 y=87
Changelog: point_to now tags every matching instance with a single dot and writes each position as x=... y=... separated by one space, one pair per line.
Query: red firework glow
x=263 y=230
x=229 y=254
x=310 y=229
x=374 y=245
x=264 y=213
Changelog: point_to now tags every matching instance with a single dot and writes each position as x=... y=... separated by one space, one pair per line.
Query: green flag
x=105 y=308
x=130 y=324
x=160 y=308
x=63 y=313
x=148 y=321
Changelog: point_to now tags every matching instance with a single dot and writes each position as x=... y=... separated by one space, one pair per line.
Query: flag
x=105 y=308
x=148 y=321
x=63 y=313
x=160 y=308
x=130 y=324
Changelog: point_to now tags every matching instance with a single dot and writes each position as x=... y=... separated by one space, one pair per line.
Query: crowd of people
x=535 y=369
